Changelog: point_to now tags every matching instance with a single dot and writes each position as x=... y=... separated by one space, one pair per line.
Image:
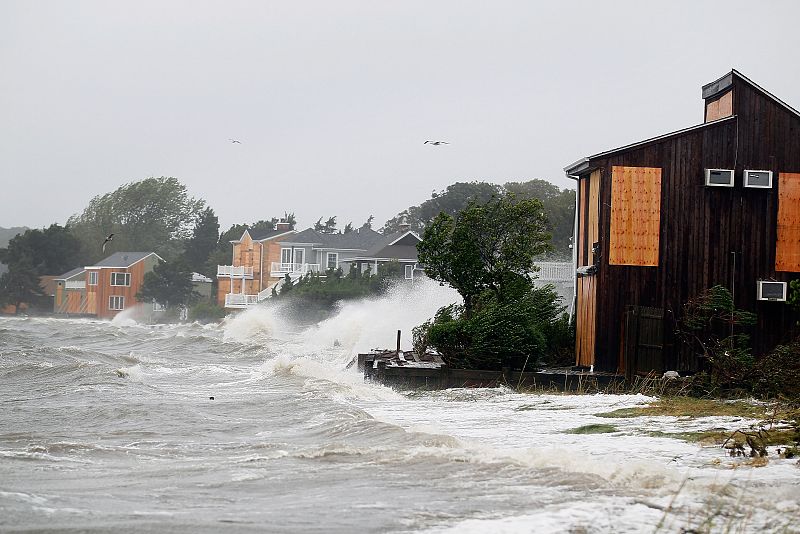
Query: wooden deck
x=410 y=371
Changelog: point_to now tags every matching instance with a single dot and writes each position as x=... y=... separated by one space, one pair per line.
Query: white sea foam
x=362 y=325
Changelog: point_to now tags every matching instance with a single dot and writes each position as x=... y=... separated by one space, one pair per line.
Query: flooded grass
x=692 y=407
x=593 y=429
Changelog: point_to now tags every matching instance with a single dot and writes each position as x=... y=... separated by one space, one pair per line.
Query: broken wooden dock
x=407 y=370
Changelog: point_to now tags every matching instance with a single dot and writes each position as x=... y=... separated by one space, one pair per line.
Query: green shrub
x=511 y=333
x=206 y=312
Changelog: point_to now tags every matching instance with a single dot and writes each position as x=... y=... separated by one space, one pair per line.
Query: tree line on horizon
x=159 y=215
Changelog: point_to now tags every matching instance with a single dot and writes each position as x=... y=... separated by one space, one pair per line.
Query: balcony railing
x=234 y=272
x=75 y=284
x=555 y=271
x=280 y=269
x=239 y=300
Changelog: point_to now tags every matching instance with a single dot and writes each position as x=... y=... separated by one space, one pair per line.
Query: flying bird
x=234 y=141
x=436 y=143
x=109 y=238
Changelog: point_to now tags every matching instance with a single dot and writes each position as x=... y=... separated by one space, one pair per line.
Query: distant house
x=249 y=278
x=312 y=251
x=398 y=247
x=661 y=220
x=112 y=284
x=70 y=293
x=261 y=262
x=201 y=285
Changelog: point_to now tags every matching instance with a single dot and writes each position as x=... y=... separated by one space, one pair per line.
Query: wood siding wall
x=708 y=235
x=256 y=254
x=98 y=296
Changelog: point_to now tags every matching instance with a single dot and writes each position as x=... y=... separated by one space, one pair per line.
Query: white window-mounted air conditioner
x=772 y=291
x=758 y=179
x=719 y=177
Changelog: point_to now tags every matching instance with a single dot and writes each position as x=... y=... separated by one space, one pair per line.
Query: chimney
x=404 y=226
x=283 y=226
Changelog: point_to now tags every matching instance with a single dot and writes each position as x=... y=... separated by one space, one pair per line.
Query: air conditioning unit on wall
x=758 y=179
x=773 y=291
x=719 y=177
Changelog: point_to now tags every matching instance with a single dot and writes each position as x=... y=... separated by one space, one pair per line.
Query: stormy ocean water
x=109 y=426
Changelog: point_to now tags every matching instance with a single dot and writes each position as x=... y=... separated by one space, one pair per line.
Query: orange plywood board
x=787 y=247
x=585 y=321
x=720 y=108
x=594 y=210
x=635 y=216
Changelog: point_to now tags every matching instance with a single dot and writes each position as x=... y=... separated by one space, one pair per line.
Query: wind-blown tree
x=486 y=253
x=223 y=252
x=20 y=284
x=53 y=250
x=169 y=284
x=453 y=199
x=559 y=207
x=329 y=227
x=203 y=242
x=155 y=214
x=487 y=246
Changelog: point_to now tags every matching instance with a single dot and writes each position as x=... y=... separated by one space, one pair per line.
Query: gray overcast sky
x=332 y=100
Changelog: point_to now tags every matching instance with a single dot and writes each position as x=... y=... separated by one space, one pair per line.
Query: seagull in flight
x=109 y=238
x=234 y=141
x=436 y=143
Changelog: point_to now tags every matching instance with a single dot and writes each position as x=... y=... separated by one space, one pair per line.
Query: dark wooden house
x=662 y=220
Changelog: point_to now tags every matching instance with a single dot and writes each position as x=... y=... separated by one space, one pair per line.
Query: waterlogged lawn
x=763 y=424
x=693 y=407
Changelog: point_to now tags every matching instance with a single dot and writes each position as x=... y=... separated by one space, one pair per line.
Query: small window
x=120 y=279
x=333 y=260
x=92 y=278
x=286 y=255
x=409 y=272
x=758 y=179
x=719 y=177
x=774 y=291
x=116 y=303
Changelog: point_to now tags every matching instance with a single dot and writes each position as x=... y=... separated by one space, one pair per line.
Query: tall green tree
x=223 y=252
x=559 y=207
x=20 y=284
x=450 y=201
x=487 y=246
x=328 y=227
x=52 y=250
x=203 y=242
x=169 y=284
x=155 y=214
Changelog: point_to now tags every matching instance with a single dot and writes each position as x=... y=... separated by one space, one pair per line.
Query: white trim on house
x=402 y=236
x=116 y=300
x=328 y=260
x=124 y=266
x=114 y=279
x=91 y=275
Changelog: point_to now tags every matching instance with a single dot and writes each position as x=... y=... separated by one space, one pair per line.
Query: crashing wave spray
x=356 y=326
x=360 y=326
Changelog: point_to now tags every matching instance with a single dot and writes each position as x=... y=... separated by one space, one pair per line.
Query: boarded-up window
x=635 y=216
x=787 y=249
x=720 y=108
